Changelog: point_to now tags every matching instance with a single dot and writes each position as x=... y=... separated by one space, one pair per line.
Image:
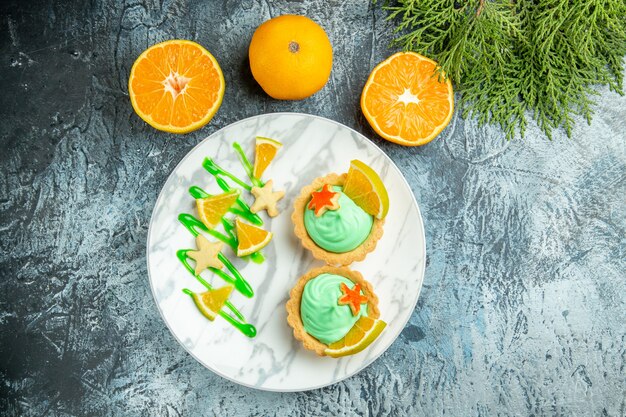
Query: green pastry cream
x=322 y=316
x=339 y=230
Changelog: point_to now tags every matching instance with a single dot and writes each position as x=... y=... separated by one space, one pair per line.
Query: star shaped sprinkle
x=352 y=297
x=323 y=200
x=206 y=255
x=266 y=199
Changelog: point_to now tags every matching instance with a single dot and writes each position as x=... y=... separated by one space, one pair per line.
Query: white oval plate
x=274 y=360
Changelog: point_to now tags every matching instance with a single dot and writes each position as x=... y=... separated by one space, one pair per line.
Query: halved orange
x=360 y=336
x=404 y=100
x=176 y=86
x=266 y=150
x=211 y=302
x=251 y=238
x=211 y=209
x=366 y=189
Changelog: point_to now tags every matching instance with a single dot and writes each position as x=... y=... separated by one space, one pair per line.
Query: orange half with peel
x=406 y=101
x=176 y=86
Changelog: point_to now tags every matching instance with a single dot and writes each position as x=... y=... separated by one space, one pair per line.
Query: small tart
x=295 y=298
x=331 y=258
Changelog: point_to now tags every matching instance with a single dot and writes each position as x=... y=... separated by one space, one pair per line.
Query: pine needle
x=508 y=57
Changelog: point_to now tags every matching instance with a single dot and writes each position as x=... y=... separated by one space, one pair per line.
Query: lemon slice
x=251 y=238
x=211 y=209
x=366 y=189
x=211 y=302
x=362 y=334
x=265 y=152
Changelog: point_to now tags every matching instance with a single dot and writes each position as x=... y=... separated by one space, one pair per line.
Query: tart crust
x=331 y=258
x=295 y=298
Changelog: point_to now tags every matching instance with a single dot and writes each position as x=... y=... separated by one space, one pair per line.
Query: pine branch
x=508 y=58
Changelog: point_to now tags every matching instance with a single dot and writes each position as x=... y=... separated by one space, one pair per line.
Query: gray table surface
x=523 y=306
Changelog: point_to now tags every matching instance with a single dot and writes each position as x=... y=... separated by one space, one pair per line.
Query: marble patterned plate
x=273 y=360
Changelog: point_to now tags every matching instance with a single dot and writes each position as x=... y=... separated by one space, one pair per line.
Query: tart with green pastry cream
x=334 y=312
x=339 y=218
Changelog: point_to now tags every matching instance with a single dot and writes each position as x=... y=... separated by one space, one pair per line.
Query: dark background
x=523 y=306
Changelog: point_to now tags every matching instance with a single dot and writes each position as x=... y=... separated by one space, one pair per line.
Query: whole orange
x=290 y=57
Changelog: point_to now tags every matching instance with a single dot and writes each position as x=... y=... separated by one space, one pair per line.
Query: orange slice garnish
x=211 y=302
x=176 y=86
x=366 y=189
x=211 y=209
x=360 y=336
x=251 y=238
x=266 y=150
x=404 y=100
